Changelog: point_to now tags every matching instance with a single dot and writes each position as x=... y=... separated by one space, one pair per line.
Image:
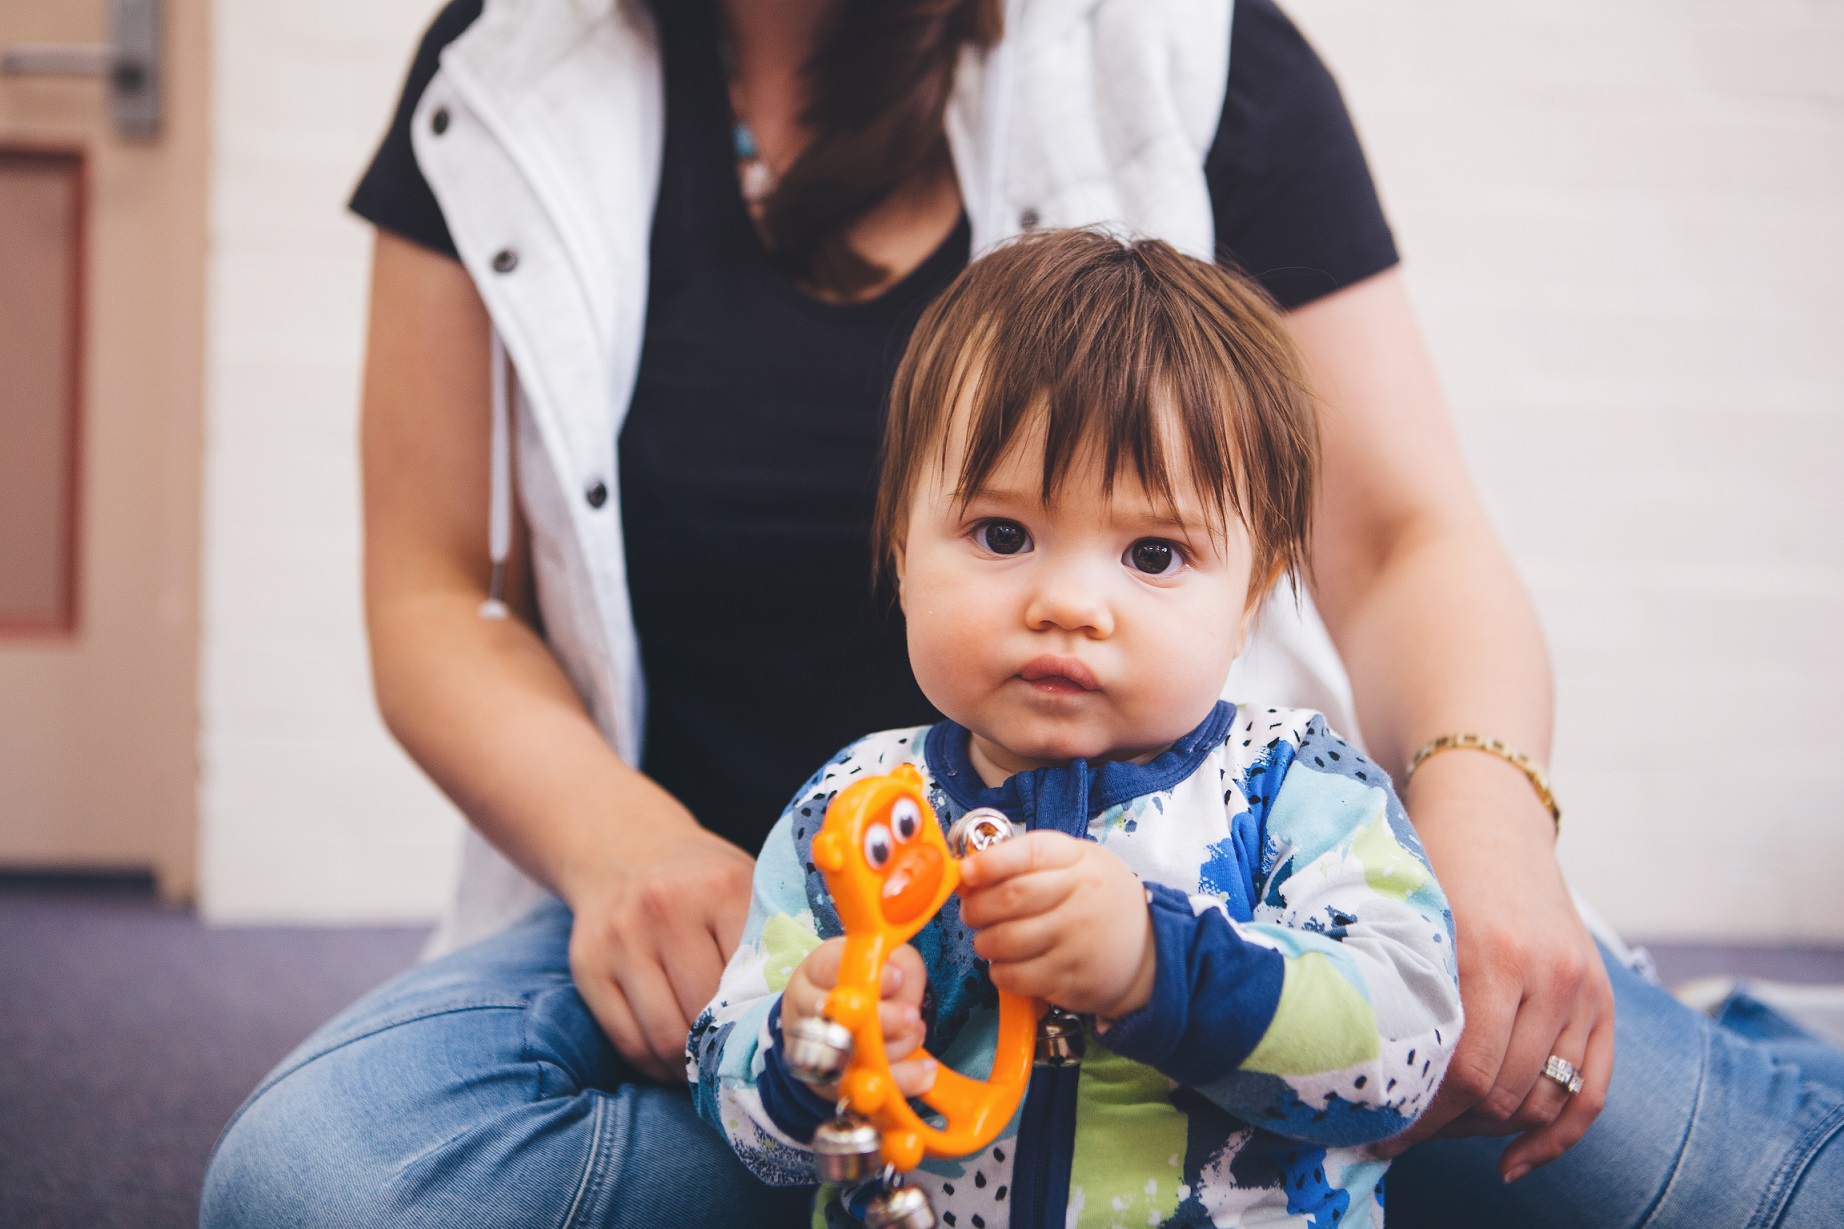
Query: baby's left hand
x=1062 y=920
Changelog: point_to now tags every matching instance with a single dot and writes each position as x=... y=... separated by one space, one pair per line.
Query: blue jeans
x=478 y=1091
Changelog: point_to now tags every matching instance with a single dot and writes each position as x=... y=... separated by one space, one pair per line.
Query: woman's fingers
x=1544 y=1098
x=610 y=1010
x=1549 y=1021
x=693 y=970
x=1491 y=1013
x=663 y=1024
x=1578 y=1111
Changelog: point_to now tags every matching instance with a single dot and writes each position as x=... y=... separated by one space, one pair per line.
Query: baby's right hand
x=905 y=979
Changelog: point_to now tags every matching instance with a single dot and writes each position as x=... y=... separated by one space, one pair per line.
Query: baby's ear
x=1259 y=589
x=897 y=558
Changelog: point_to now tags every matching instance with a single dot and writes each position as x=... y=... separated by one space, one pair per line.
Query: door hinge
x=130 y=63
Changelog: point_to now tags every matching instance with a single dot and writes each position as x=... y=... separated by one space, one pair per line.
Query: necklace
x=754 y=173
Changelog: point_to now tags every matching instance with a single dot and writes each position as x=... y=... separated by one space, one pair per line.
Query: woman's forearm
x=486 y=711
x=480 y=703
x=1443 y=639
x=1440 y=638
x=1435 y=629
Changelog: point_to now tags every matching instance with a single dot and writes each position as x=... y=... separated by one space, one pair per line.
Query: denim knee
x=475 y=1091
x=1701 y=1127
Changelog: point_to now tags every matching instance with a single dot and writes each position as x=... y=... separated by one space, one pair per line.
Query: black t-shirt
x=748 y=453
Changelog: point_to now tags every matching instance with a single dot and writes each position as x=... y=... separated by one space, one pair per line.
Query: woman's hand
x=1531 y=978
x=654 y=928
x=1439 y=637
x=900 y=1012
x=1061 y=920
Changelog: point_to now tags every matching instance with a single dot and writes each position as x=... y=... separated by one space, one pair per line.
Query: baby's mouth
x=1055 y=675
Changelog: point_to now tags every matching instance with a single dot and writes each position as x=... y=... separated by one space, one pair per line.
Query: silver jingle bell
x=980 y=828
x=815 y=1049
x=846 y=1149
x=1060 y=1039
x=900 y=1207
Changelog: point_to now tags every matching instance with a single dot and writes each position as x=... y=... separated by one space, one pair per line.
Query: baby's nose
x=1071 y=599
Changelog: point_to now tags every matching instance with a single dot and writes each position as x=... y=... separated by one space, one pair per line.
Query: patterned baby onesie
x=1305 y=999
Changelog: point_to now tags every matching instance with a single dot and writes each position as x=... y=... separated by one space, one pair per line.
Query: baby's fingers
x=914 y=1077
x=903 y=1031
x=905 y=976
x=1035 y=851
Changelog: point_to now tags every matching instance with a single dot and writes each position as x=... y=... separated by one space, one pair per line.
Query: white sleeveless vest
x=541 y=136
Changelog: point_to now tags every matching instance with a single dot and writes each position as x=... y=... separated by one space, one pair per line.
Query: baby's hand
x=1062 y=920
x=905 y=978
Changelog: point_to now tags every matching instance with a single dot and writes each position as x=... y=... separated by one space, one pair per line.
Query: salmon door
x=102 y=263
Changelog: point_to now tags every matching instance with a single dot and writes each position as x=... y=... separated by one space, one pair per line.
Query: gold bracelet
x=1492 y=746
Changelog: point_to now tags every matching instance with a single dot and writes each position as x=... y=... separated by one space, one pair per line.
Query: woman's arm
x=485 y=709
x=1440 y=637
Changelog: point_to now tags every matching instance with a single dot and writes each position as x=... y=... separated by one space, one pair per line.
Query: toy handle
x=975 y=1110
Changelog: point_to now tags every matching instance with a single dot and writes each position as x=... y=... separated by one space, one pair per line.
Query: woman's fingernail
x=1515 y=1172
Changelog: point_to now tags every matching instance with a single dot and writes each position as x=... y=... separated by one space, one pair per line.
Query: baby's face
x=1089 y=628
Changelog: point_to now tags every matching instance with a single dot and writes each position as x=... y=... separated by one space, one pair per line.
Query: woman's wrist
x=636 y=825
x=1454 y=796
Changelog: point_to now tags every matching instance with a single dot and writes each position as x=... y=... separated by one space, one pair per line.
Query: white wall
x=1621 y=220
x=307 y=809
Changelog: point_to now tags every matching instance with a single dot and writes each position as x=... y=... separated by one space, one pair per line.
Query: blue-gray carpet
x=129 y=1032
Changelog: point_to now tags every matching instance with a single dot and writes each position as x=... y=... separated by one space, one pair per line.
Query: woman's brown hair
x=879 y=81
x=1112 y=344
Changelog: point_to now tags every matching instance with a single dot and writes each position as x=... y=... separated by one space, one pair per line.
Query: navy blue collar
x=1065 y=798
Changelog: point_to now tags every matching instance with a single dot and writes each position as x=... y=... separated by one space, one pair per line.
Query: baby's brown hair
x=1090 y=335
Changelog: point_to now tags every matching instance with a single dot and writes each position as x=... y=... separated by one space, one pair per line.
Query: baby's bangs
x=1103 y=366
x=1147 y=357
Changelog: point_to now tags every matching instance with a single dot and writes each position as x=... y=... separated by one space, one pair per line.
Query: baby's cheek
x=947 y=650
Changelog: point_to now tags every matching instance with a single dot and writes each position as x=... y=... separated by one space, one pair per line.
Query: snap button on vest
x=506 y=261
x=596 y=493
x=1028 y=219
x=438 y=122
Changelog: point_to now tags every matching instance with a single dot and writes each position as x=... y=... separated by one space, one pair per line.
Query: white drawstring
x=499 y=490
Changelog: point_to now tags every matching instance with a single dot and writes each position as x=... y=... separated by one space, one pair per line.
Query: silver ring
x=1564 y=1073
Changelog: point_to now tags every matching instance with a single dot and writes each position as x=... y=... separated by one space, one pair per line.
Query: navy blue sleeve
x=1214 y=994
x=792 y=1106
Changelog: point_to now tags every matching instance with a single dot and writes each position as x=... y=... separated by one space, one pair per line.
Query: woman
x=702 y=233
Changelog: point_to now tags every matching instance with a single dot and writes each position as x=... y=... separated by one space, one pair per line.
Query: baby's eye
x=1154 y=557
x=1003 y=537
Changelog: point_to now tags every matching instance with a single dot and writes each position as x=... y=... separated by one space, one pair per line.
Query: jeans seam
x=591 y=1165
x=1677 y=1160
x=1780 y=1188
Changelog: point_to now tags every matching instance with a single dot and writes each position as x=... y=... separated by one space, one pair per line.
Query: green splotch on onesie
x=785 y=943
x=1388 y=867
x=1130 y=1144
x=1322 y=1023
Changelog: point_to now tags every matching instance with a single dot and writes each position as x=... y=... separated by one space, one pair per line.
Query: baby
x=1100 y=457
